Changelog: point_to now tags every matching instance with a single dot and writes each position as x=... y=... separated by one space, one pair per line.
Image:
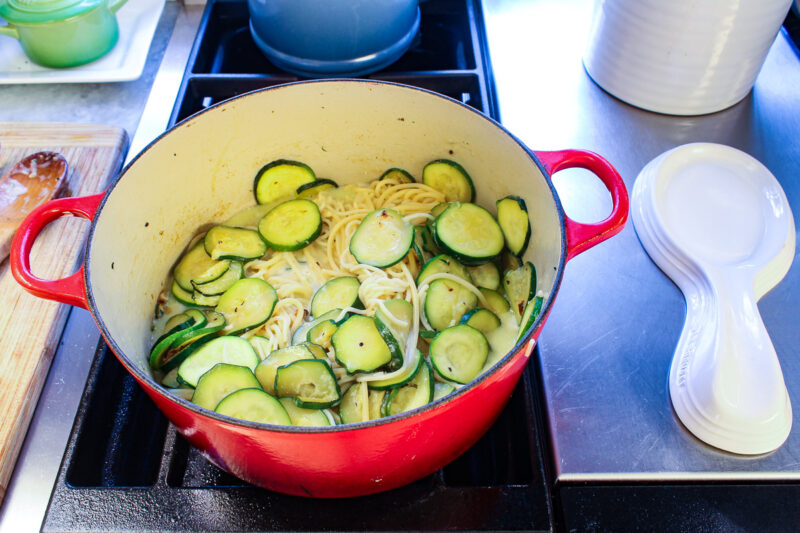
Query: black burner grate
x=127 y=469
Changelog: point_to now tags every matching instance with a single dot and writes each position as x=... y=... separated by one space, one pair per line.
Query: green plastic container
x=62 y=33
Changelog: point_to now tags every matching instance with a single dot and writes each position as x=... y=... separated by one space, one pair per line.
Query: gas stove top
x=126 y=468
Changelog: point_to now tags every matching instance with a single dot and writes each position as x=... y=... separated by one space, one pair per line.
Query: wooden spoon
x=31 y=182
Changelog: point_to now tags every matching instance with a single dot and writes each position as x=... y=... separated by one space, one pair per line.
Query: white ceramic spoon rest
x=717 y=222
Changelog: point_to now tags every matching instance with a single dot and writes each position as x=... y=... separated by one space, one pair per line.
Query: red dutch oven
x=202 y=171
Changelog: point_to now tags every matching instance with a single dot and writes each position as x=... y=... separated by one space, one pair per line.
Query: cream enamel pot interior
x=202 y=171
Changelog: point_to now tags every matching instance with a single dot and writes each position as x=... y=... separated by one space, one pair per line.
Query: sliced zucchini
x=183 y=296
x=246 y=305
x=427 y=334
x=316 y=350
x=254 y=405
x=239 y=244
x=382 y=238
x=402 y=176
x=221 y=380
x=485 y=275
x=420 y=238
x=497 y=303
x=190 y=341
x=469 y=233
x=375 y=401
x=196 y=265
x=398 y=381
x=301 y=416
x=309 y=190
x=174 y=324
x=337 y=293
x=414 y=394
x=194 y=320
x=268 y=368
x=481 y=319
x=249 y=217
x=355 y=404
x=301 y=333
x=439 y=208
x=529 y=316
x=291 y=225
x=321 y=333
x=280 y=179
x=226 y=349
x=512 y=215
x=446 y=302
x=449 y=178
x=443 y=264
x=459 y=353
x=223 y=283
x=310 y=382
x=520 y=287
x=440 y=390
x=201 y=300
x=359 y=346
x=428 y=245
x=393 y=343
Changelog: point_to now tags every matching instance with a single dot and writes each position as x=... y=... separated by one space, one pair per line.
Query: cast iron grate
x=127 y=469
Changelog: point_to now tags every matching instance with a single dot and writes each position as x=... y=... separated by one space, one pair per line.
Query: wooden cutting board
x=30 y=327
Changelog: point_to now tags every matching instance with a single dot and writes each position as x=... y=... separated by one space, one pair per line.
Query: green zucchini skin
x=280 y=179
x=446 y=301
x=336 y=293
x=226 y=349
x=359 y=346
x=416 y=393
x=198 y=267
x=469 y=233
x=247 y=304
x=458 y=353
x=299 y=377
x=254 y=405
x=382 y=239
x=223 y=283
x=451 y=179
x=238 y=244
x=512 y=215
x=529 y=316
x=481 y=319
x=291 y=225
x=221 y=380
x=311 y=189
x=395 y=172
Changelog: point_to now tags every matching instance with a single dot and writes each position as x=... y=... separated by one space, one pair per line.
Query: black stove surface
x=127 y=469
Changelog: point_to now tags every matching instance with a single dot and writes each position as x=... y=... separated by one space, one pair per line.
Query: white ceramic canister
x=681 y=57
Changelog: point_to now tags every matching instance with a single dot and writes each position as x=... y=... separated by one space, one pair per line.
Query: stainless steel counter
x=606 y=348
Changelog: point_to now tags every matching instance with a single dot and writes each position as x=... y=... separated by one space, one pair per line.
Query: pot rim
x=517 y=351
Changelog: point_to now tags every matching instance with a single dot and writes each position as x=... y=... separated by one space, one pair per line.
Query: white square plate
x=137 y=23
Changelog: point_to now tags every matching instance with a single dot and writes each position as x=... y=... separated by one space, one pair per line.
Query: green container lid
x=44 y=11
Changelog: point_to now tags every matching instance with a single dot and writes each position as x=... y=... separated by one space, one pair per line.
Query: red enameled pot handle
x=581 y=237
x=70 y=290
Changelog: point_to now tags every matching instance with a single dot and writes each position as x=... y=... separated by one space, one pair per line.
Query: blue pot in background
x=328 y=38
